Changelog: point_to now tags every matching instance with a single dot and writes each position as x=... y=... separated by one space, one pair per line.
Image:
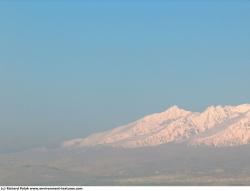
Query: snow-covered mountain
x=217 y=126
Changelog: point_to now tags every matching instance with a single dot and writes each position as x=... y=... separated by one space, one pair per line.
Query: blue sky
x=70 y=68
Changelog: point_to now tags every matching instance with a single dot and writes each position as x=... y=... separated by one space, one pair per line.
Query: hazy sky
x=70 y=68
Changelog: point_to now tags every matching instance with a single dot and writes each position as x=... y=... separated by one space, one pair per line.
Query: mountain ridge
x=218 y=126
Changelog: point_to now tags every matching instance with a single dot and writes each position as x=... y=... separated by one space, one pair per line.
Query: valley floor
x=173 y=165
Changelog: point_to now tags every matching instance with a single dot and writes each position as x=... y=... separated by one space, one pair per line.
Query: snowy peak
x=218 y=126
x=175 y=109
x=242 y=108
x=173 y=112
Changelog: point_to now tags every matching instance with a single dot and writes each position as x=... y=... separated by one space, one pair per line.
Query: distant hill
x=217 y=126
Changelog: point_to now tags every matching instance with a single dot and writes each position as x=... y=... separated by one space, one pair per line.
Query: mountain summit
x=218 y=126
